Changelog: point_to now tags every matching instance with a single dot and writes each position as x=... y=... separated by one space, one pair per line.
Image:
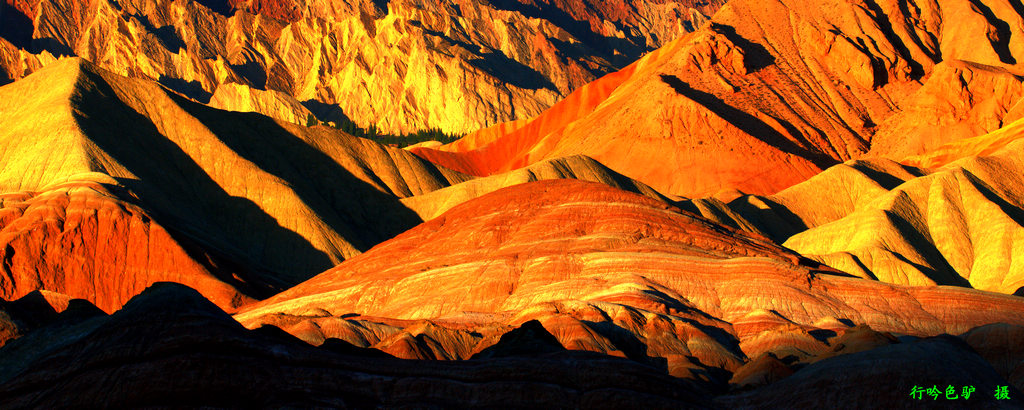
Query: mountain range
x=656 y=203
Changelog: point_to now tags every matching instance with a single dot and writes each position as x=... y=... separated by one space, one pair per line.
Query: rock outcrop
x=80 y=240
x=399 y=65
x=770 y=93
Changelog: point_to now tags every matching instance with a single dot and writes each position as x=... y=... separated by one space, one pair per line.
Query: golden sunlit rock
x=555 y=204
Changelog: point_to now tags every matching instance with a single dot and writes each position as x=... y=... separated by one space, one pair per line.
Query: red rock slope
x=772 y=92
x=80 y=240
x=608 y=271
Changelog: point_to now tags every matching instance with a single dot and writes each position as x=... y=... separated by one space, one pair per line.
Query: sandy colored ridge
x=954 y=216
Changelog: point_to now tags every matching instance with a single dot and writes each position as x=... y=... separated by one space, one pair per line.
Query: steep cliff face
x=770 y=93
x=401 y=66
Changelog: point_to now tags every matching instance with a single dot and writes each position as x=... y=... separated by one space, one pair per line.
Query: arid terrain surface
x=656 y=204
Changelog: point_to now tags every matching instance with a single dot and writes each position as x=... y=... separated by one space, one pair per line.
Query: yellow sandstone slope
x=283 y=200
x=953 y=216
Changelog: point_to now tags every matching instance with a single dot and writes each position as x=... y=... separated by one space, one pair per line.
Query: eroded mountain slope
x=275 y=201
x=952 y=216
x=612 y=272
x=770 y=93
x=399 y=65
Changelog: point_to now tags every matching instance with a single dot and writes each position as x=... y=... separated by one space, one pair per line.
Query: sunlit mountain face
x=512 y=203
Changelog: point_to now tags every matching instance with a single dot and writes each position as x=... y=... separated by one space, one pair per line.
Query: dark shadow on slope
x=15 y=27
x=619 y=51
x=863 y=267
x=382 y=6
x=222 y=7
x=327 y=112
x=191 y=89
x=222 y=264
x=343 y=347
x=166 y=34
x=777 y=221
x=999 y=33
x=360 y=212
x=52 y=46
x=1017 y=7
x=884 y=375
x=822 y=335
x=755 y=56
x=885 y=25
x=27 y=313
x=581 y=52
x=936 y=54
x=529 y=339
x=499 y=65
x=623 y=182
x=627 y=343
x=938 y=268
x=512 y=72
x=1009 y=209
x=183 y=196
x=726 y=339
x=253 y=72
x=116 y=359
x=886 y=181
x=57 y=331
x=745 y=122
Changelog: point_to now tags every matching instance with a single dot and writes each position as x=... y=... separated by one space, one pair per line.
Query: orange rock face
x=79 y=240
x=607 y=271
x=769 y=94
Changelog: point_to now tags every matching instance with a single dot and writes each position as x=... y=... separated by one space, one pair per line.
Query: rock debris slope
x=770 y=93
x=400 y=65
x=100 y=169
